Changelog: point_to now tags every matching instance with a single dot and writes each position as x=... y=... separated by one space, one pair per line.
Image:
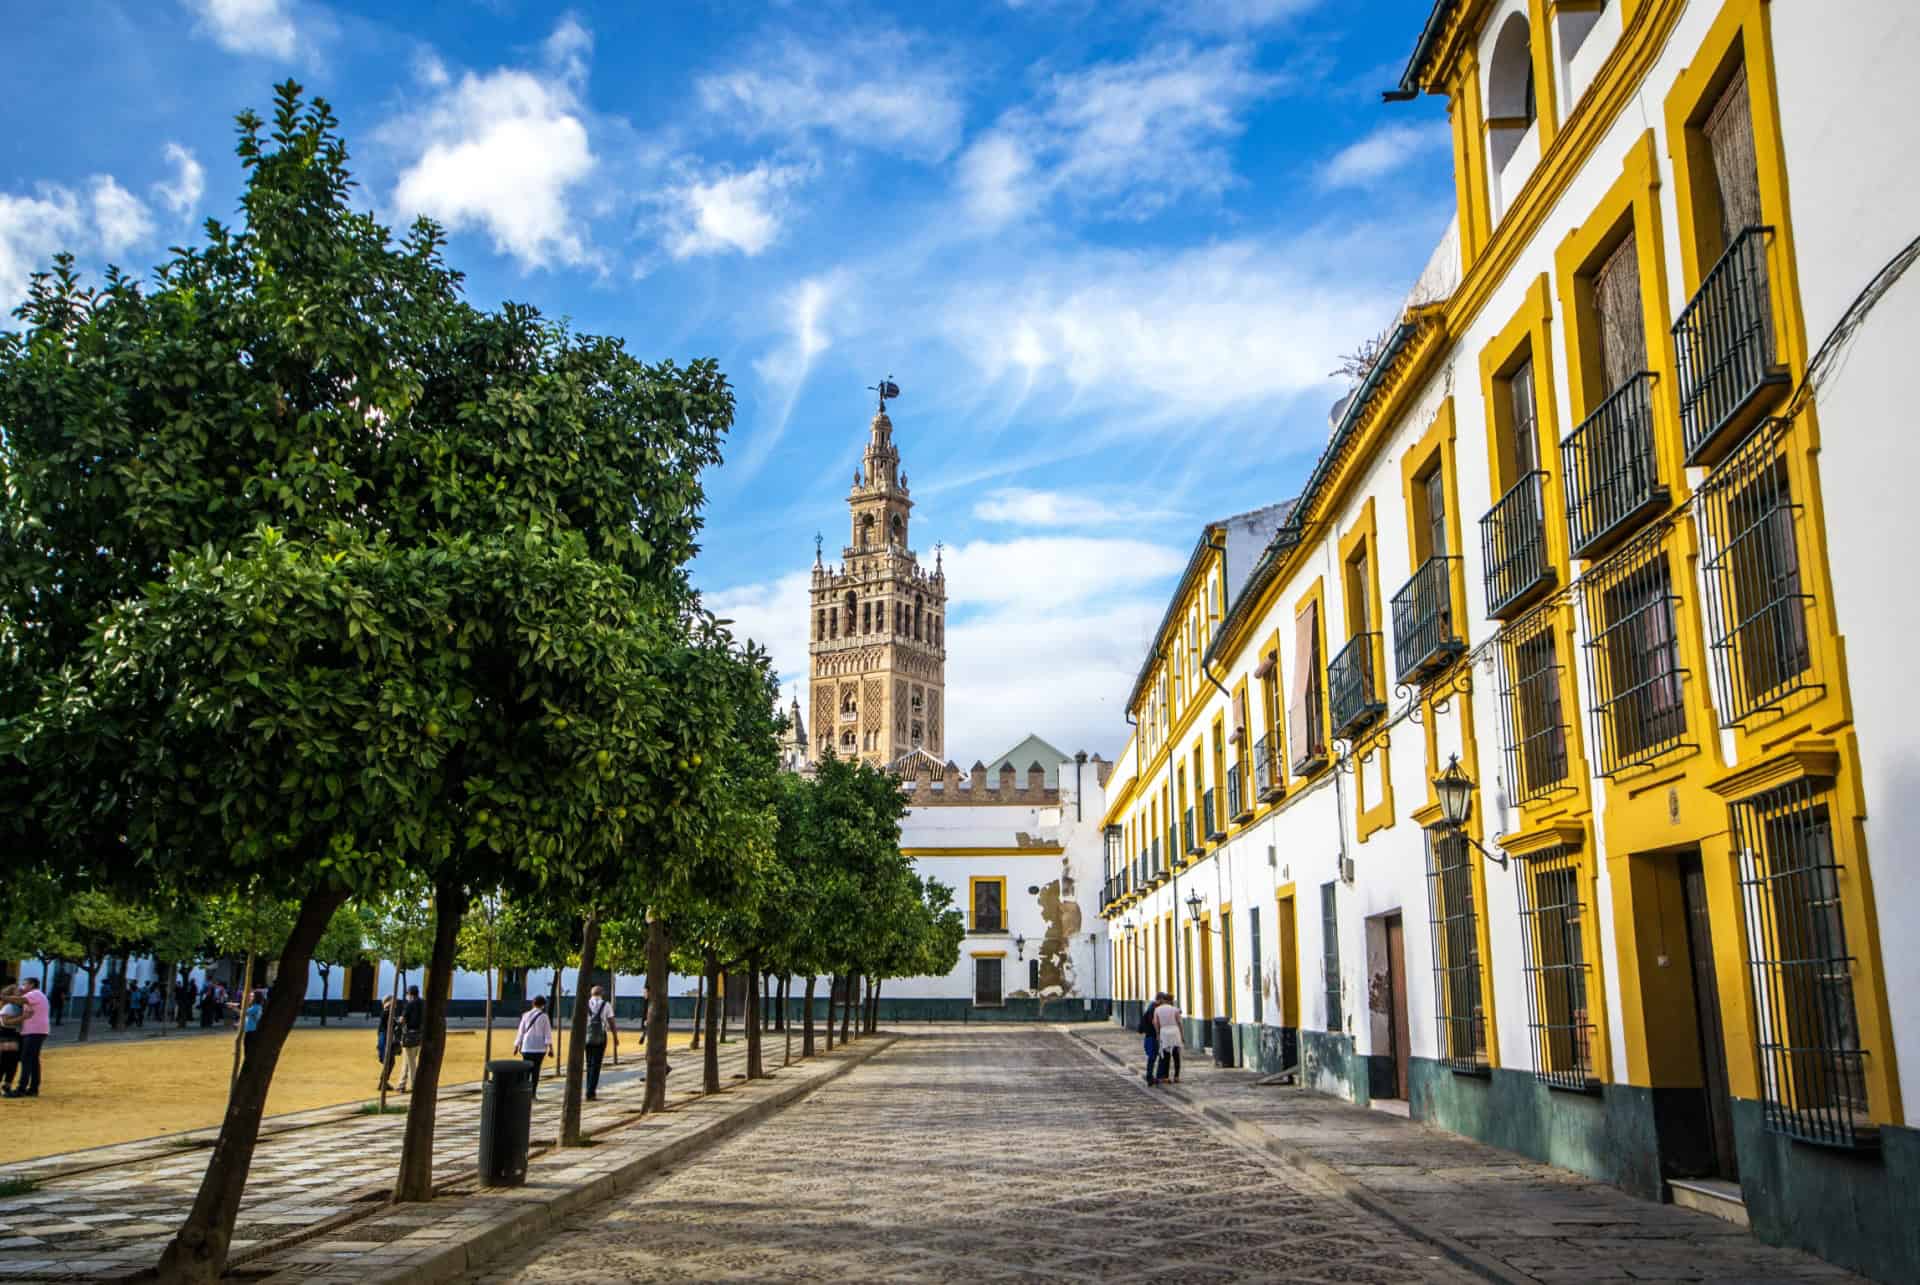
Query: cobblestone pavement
x=1514 y=1217
x=1009 y=1155
x=108 y=1213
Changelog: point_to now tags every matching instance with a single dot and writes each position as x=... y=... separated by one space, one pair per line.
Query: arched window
x=819 y=625
x=853 y=613
x=916 y=620
x=1510 y=91
x=866 y=530
x=899 y=529
x=833 y=622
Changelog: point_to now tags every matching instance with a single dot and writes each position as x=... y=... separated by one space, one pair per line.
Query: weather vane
x=818 y=540
x=886 y=388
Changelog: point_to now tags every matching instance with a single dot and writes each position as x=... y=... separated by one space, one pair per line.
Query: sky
x=1110 y=251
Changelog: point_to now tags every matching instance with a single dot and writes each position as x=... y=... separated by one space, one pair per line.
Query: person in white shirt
x=536 y=1034
x=1167 y=1018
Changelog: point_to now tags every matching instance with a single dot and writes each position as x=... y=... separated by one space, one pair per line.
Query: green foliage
x=400 y=931
x=104 y=926
x=249 y=923
x=344 y=943
x=38 y=919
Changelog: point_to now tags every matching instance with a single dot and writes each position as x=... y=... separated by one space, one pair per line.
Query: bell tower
x=878 y=645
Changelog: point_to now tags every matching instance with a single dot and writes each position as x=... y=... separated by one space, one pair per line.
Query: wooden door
x=1706 y=1007
x=1397 y=998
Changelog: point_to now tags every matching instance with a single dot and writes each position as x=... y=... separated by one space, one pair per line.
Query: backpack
x=596 y=1022
x=1147 y=1026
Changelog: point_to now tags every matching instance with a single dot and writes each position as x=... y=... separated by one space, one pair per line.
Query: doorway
x=1706 y=1008
x=987 y=989
x=1397 y=1001
x=360 y=988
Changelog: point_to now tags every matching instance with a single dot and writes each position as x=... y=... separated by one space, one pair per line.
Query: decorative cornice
x=1809 y=759
x=1539 y=841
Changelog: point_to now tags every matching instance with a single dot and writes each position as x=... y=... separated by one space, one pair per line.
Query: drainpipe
x=1079 y=761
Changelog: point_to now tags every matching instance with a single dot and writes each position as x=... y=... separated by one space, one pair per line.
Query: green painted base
x=1328 y=1064
x=1856 y=1209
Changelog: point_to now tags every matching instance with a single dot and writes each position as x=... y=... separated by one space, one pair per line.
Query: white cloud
x=738 y=212
x=1043 y=635
x=785 y=369
x=1381 y=153
x=249 y=26
x=1122 y=139
x=873 y=89
x=1235 y=15
x=505 y=151
x=32 y=230
x=120 y=218
x=188 y=184
x=1021 y=506
x=1190 y=334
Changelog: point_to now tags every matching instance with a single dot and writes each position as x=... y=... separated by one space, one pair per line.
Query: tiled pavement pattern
x=110 y=1212
x=1513 y=1217
x=1008 y=1155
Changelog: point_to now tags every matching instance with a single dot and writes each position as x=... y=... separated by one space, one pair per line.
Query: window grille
x=1330 y=953
x=1533 y=721
x=1812 y=1068
x=1553 y=930
x=1756 y=604
x=1456 y=952
x=1633 y=656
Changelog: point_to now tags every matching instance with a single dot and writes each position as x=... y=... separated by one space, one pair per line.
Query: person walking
x=250 y=1023
x=600 y=1029
x=1150 y=1038
x=12 y=1013
x=381 y=1030
x=34 y=1025
x=534 y=1037
x=413 y=1029
x=59 y=998
x=1167 y=1019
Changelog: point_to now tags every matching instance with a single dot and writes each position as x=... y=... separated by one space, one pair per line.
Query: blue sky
x=1109 y=251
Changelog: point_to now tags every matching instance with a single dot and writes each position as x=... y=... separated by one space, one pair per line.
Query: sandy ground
x=95 y=1094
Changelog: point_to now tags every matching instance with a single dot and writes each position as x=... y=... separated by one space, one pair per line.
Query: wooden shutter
x=1623 y=323
x=1303 y=728
x=1729 y=131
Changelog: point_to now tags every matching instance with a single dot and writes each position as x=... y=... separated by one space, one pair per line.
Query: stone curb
x=521 y=1213
x=1297 y=1157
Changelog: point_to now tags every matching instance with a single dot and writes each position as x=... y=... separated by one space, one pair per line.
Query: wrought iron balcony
x=1353 y=689
x=1425 y=638
x=1239 y=796
x=1513 y=547
x=1611 y=473
x=1211 y=822
x=1191 y=845
x=1724 y=339
x=1268 y=782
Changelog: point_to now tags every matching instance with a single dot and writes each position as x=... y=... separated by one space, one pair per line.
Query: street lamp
x=1195 y=904
x=1020 y=947
x=1454 y=790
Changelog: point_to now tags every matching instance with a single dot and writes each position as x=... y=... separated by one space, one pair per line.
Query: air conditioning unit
x=1346 y=869
x=1273 y=857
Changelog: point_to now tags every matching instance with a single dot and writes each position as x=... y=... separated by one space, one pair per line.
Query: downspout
x=1079 y=761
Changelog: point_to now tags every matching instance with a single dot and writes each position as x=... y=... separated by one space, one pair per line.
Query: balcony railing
x=1268 y=781
x=1513 y=546
x=1190 y=837
x=1724 y=340
x=1211 y=821
x=1353 y=691
x=1611 y=474
x=1239 y=796
x=1424 y=635
x=1156 y=863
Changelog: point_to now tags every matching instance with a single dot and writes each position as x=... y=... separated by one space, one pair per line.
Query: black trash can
x=506 y=1122
x=1222 y=1042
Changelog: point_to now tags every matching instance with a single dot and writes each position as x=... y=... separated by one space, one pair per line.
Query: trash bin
x=1222 y=1042
x=506 y=1122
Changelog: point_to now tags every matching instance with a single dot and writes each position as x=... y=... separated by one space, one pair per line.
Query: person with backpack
x=1167 y=1018
x=1150 y=1034
x=534 y=1037
x=600 y=1029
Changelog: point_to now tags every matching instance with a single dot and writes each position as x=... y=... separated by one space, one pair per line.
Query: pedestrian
x=157 y=1002
x=34 y=1025
x=1167 y=1019
x=413 y=1029
x=249 y=1020
x=59 y=998
x=600 y=1030
x=1150 y=1039
x=137 y=1005
x=183 y=998
x=536 y=1033
x=380 y=1031
x=211 y=1001
x=12 y=1013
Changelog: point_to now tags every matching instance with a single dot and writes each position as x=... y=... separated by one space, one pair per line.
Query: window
x=1622 y=330
x=1756 y=604
x=1033 y=975
x=1433 y=490
x=1533 y=724
x=1812 y=1068
x=1306 y=724
x=1633 y=657
x=1511 y=106
x=1269 y=775
x=1553 y=936
x=1330 y=953
x=1456 y=952
x=1523 y=439
x=1513 y=534
x=987 y=989
x=989 y=897
x=1216 y=797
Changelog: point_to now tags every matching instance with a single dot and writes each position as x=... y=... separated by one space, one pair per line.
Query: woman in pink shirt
x=34 y=1025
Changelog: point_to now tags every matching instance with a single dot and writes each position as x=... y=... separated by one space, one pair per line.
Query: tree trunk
x=833 y=992
x=198 y=1251
x=755 y=1000
x=720 y=999
x=806 y=1017
x=240 y=1025
x=86 y=1005
x=326 y=977
x=873 y=1004
x=786 y=987
x=699 y=1009
x=390 y=1019
x=486 y=1041
x=166 y=995
x=577 y=1034
x=658 y=963
x=846 y=1004
x=711 y=1082
x=415 y=1181
x=553 y=1015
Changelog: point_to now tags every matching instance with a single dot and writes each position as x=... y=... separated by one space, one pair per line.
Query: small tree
x=253 y=925
x=105 y=926
x=400 y=933
x=342 y=945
